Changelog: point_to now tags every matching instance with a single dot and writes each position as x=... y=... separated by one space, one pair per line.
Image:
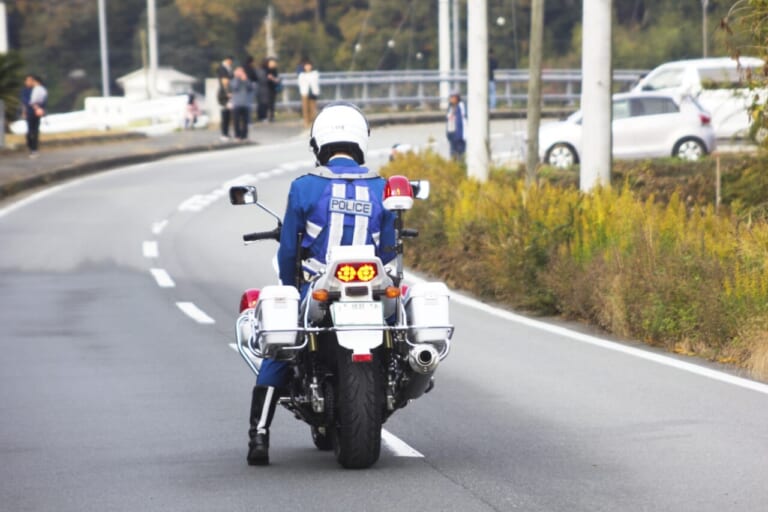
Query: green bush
x=650 y=259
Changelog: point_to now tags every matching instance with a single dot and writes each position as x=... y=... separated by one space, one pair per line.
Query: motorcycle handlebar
x=262 y=235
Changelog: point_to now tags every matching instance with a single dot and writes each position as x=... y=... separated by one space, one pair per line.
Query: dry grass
x=671 y=272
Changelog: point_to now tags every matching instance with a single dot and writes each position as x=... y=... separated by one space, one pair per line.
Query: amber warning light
x=398 y=194
x=356 y=272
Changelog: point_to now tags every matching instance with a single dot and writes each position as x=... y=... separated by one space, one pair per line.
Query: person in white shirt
x=309 y=89
x=34 y=111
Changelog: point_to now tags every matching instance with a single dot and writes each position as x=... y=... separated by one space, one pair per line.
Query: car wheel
x=689 y=149
x=561 y=156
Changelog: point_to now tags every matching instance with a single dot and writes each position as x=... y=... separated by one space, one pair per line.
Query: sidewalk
x=18 y=172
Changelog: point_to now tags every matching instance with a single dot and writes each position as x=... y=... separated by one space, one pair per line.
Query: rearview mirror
x=420 y=189
x=245 y=194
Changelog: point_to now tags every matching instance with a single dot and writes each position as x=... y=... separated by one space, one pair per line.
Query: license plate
x=357 y=313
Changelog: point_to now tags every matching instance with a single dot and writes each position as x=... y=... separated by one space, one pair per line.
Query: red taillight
x=705 y=119
x=362 y=358
x=356 y=272
x=249 y=299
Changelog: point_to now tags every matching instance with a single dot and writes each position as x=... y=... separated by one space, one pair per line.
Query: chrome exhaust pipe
x=423 y=359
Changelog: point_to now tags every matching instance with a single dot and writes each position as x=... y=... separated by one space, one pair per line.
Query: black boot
x=263 y=404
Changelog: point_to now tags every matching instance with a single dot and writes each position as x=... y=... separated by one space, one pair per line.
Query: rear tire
x=561 y=156
x=689 y=149
x=360 y=396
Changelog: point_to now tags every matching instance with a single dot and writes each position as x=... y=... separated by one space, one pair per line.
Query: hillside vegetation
x=649 y=259
x=60 y=40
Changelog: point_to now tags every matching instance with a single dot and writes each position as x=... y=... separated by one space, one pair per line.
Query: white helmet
x=340 y=128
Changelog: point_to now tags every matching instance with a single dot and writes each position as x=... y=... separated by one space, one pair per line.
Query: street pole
x=268 y=31
x=3 y=30
x=152 y=40
x=704 y=42
x=596 y=89
x=477 y=90
x=456 y=35
x=104 y=49
x=534 y=89
x=444 y=49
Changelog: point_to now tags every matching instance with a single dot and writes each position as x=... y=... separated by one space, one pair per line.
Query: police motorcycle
x=360 y=346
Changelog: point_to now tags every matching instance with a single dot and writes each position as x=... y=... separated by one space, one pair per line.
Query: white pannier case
x=427 y=305
x=278 y=309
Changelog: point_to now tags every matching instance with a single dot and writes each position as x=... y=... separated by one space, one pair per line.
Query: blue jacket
x=308 y=210
x=456 y=120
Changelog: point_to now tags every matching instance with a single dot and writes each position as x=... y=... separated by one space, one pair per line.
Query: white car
x=718 y=84
x=645 y=125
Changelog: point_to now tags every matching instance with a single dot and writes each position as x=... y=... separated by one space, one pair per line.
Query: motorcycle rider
x=338 y=203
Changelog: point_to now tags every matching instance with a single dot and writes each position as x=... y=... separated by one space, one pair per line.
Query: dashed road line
x=162 y=278
x=158 y=227
x=397 y=446
x=195 y=313
x=150 y=250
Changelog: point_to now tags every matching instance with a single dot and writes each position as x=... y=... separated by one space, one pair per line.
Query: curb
x=78 y=141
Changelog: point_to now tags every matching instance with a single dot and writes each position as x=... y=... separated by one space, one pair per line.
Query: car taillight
x=356 y=272
x=705 y=119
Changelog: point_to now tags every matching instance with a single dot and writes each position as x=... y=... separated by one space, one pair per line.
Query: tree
x=747 y=32
x=11 y=81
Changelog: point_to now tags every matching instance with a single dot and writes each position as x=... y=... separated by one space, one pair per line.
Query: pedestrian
x=309 y=89
x=456 y=124
x=262 y=93
x=253 y=77
x=224 y=74
x=493 y=64
x=192 y=112
x=242 y=95
x=339 y=139
x=274 y=86
x=34 y=110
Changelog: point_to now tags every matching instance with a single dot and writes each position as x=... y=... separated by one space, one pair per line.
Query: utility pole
x=704 y=42
x=3 y=30
x=456 y=35
x=477 y=90
x=444 y=49
x=104 y=49
x=152 y=40
x=534 y=88
x=268 y=30
x=596 y=90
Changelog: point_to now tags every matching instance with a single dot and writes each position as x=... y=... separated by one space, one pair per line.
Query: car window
x=725 y=77
x=664 y=79
x=652 y=106
x=620 y=109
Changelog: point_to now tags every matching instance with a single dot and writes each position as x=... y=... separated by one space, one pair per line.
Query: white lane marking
x=34 y=198
x=158 y=227
x=199 y=202
x=162 y=278
x=150 y=250
x=397 y=446
x=195 y=313
x=233 y=346
x=608 y=345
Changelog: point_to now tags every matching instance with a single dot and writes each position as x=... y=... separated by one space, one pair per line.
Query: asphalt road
x=119 y=389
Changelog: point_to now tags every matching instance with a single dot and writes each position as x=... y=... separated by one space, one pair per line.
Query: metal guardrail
x=420 y=89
